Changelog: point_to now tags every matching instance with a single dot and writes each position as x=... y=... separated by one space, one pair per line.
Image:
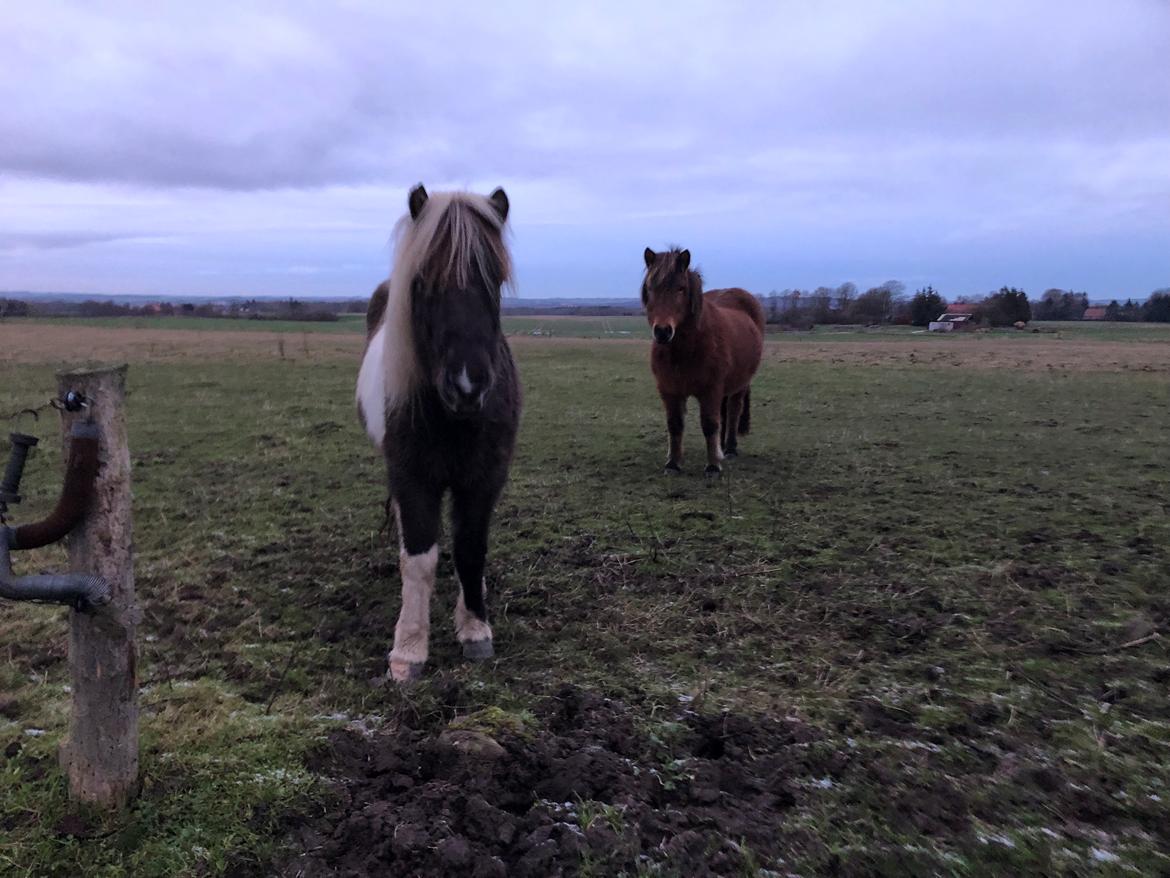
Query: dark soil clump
x=592 y=788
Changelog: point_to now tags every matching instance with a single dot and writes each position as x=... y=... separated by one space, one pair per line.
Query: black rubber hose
x=76 y=493
x=10 y=486
x=79 y=590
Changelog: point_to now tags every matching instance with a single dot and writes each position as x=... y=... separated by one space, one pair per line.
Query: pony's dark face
x=671 y=293
x=458 y=335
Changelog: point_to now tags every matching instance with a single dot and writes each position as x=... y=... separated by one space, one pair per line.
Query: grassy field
x=620 y=328
x=915 y=630
x=345 y=323
x=548 y=326
x=623 y=327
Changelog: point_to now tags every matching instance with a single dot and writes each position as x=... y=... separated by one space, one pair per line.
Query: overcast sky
x=241 y=148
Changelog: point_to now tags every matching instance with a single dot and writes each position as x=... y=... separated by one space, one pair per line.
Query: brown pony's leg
x=709 y=406
x=731 y=424
x=676 y=415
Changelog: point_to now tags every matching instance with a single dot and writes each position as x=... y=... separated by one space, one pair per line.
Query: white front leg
x=414 y=622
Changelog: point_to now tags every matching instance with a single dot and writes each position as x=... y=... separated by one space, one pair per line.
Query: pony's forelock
x=457 y=239
x=665 y=267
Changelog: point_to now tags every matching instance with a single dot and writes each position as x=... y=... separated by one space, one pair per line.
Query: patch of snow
x=996 y=839
x=281 y=775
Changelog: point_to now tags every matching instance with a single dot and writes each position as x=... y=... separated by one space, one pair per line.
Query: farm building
x=953 y=321
x=1097 y=312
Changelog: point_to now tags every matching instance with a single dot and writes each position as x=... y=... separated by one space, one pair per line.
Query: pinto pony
x=706 y=345
x=438 y=393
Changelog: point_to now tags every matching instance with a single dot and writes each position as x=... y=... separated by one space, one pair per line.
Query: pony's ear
x=649 y=255
x=418 y=198
x=499 y=200
x=684 y=260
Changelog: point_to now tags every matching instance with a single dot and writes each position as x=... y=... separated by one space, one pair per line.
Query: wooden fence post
x=100 y=756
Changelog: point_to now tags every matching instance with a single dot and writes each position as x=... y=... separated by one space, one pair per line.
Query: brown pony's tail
x=745 y=417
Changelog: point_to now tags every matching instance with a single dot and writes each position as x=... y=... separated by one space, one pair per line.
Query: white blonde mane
x=452 y=221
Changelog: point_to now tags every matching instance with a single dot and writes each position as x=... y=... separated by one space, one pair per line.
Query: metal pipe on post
x=100 y=756
x=10 y=486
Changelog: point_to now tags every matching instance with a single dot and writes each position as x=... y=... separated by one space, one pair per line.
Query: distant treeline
x=1067 y=305
x=251 y=309
x=791 y=308
x=889 y=304
x=573 y=311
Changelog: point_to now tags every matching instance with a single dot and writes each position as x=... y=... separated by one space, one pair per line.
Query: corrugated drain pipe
x=79 y=590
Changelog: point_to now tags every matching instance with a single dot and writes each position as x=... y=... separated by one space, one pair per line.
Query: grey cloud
x=14 y=241
x=247 y=99
x=923 y=123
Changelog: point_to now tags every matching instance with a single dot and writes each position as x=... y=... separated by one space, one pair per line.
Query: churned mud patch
x=586 y=786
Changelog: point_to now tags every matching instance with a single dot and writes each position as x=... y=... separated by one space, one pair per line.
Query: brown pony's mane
x=659 y=274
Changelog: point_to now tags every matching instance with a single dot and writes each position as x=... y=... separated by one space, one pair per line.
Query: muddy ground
x=589 y=790
x=584 y=788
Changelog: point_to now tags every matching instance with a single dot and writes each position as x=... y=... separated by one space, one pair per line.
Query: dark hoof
x=404 y=673
x=477 y=650
x=730 y=454
x=712 y=471
x=672 y=469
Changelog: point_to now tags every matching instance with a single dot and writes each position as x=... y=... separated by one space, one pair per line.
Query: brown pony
x=706 y=345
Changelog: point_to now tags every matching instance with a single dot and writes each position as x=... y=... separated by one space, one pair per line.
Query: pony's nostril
x=663 y=333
